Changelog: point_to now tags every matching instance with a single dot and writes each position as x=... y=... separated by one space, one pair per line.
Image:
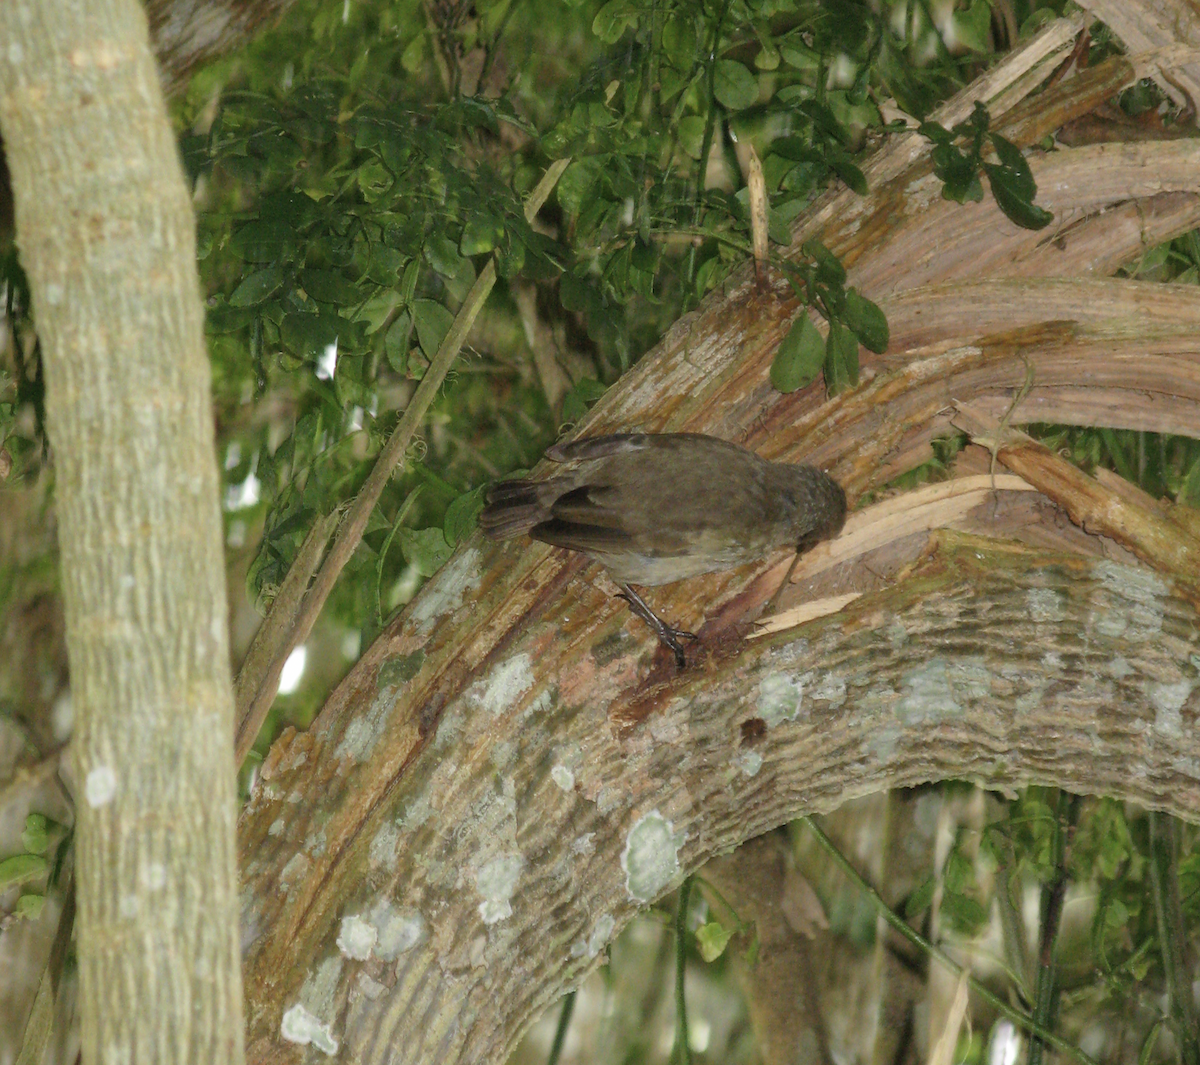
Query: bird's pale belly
x=704 y=556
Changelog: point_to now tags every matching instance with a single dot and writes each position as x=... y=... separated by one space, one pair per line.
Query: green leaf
x=20 y=869
x=1014 y=161
x=712 y=939
x=959 y=174
x=691 y=135
x=575 y=185
x=328 y=286
x=375 y=180
x=386 y=264
x=582 y=395
x=1009 y=190
x=800 y=356
x=442 y=254
x=481 y=233
x=847 y=171
x=867 y=321
x=433 y=322
x=409 y=283
x=395 y=343
x=257 y=288
x=461 y=516
x=1189 y=491
x=225 y=319
x=29 y=907
x=841 y=359
x=734 y=86
x=263 y=240
x=413 y=56
x=970 y=27
x=425 y=548
x=918 y=902
x=308 y=335
x=798 y=55
x=35 y=839
x=829 y=267
x=612 y=19
x=966 y=913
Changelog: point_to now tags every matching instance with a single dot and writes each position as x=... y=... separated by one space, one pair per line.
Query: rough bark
x=106 y=236
x=438 y=918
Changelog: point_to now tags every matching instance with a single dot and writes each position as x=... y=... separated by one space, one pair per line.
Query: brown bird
x=657 y=508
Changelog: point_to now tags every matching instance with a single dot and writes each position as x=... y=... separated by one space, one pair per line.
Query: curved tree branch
x=510 y=772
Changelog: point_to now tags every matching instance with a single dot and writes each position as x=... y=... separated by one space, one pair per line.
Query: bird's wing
x=600 y=447
x=587 y=518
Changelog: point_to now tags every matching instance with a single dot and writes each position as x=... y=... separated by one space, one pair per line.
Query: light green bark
x=105 y=230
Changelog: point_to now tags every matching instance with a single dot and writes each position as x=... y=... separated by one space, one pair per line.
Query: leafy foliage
x=1010 y=178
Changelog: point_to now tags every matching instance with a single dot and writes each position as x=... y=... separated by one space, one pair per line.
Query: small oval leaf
x=800 y=356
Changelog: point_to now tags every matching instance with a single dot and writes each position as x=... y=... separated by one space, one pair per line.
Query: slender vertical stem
x=1045 y=994
x=1172 y=935
x=560 y=1033
x=706 y=143
x=681 y=1054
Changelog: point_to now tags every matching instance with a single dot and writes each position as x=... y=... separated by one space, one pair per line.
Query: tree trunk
x=513 y=769
x=106 y=235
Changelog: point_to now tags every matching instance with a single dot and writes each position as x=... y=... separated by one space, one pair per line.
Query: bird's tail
x=513 y=508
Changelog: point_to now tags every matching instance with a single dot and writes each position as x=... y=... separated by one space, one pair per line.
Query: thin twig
x=560 y=1033
x=918 y=940
x=1045 y=991
x=354 y=523
x=682 y=1054
x=264 y=660
x=1172 y=935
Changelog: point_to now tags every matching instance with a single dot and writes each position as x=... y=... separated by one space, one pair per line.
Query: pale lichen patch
x=1137 y=613
x=563 y=777
x=896 y=633
x=609 y=798
x=364 y=731
x=384 y=848
x=398 y=930
x=445 y=590
x=356 y=937
x=1045 y=605
x=100 y=788
x=601 y=933
x=651 y=856
x=505 y=685
x=496 y=882
x=154 y=876
x=1168 y=700
x=927 y=694
x=296 y=869
x=748 y=762
x=302 y=1022
x=373 y=989
x=779 y=698
x=831 y=688
x=300 y=1026
x=585 y=844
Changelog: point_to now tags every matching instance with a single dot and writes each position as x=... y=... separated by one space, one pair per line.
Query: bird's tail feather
x=513 y=508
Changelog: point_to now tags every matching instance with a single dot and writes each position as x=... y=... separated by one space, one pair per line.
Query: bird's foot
x=667 y=634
